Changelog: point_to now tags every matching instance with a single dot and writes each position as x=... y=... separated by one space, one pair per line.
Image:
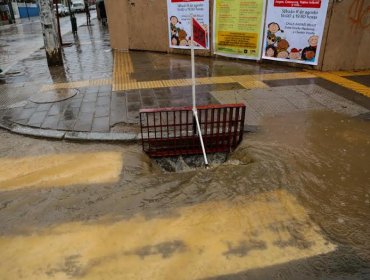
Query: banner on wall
x=294 y=30
x=180 y=13
x=238 y=28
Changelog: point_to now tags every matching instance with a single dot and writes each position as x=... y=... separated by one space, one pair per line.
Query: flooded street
x=293 y=202
x=81 y=200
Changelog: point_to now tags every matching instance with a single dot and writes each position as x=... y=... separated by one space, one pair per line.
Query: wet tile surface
x=264 y=88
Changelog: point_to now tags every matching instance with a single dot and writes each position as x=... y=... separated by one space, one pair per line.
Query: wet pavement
x=19 y=41
x=112 y=86
x=292 y=202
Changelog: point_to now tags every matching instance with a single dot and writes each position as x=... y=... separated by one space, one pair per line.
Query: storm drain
x=167 y=132
x=189 y=162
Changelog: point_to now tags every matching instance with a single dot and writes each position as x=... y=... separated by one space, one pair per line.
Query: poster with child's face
x=294 y=30
x=179 y=21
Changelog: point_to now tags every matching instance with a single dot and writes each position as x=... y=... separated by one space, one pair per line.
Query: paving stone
x=104 y=93
x=118 y=99
x=105 y=89
x=90 y=97
x=161 y=93
x=88 y=107
x=50 y=122
x=102 y=111
x=37 y=118
x=56 y=109
x=146 y=93
x=84 y=122
x=92 y=90
x=101 y=124
x=14 y=113
x=43 y=107
x=133 y=97
x=164 y=103
x=162 y=98
x=22 y=122
x=66 y=124
x=103 y=101
x=118 y=117
x=149 y=102
x=27 y=113
x=76 y=103
x=133 y=107
x=30 y=105
x=70 y=113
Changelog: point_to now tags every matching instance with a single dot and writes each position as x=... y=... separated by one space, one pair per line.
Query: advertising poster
x=238 y=28
x=179 y=21
x=294 y=30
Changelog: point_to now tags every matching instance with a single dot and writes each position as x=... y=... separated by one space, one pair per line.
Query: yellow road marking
x=360 y=88
x=195 y=242
x=60 y=170
x=122 y=69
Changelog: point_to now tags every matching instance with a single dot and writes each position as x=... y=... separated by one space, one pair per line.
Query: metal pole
x=193 y=66
x=11 y=11
x=28 y=15
x=58 y=23
x=195 y=111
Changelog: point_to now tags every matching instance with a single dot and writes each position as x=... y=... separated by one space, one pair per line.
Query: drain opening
x=189 y=162
x=185 y=163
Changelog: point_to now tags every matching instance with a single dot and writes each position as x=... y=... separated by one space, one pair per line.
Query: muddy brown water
x=292 y=202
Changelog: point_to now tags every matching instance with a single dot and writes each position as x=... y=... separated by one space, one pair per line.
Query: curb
x=68 y=135
x=53 y=134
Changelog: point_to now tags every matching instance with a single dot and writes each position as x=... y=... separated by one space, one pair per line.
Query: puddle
x=292 y=202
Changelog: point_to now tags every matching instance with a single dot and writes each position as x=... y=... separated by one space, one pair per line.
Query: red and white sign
x=180 y=14
x=199 y=34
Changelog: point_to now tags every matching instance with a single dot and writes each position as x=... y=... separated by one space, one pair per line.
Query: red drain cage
x=172 y=131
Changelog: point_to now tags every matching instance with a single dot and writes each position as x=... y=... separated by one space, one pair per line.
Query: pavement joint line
x=352 y=85
x=77 y=84
x=351 y=73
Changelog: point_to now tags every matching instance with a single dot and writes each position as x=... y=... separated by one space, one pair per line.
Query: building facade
x=143 y=25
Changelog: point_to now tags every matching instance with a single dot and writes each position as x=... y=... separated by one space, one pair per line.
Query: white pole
x=193 y=66
x=200 y=137
x=195 y=112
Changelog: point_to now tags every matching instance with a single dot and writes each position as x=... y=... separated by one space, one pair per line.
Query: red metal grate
x=172 y=132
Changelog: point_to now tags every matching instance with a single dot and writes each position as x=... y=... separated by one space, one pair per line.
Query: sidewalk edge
x=68 y=135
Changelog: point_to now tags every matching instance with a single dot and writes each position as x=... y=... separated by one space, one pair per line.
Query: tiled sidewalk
x=112 y=87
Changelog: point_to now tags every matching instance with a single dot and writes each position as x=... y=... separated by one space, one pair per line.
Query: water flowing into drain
x=188 y=163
